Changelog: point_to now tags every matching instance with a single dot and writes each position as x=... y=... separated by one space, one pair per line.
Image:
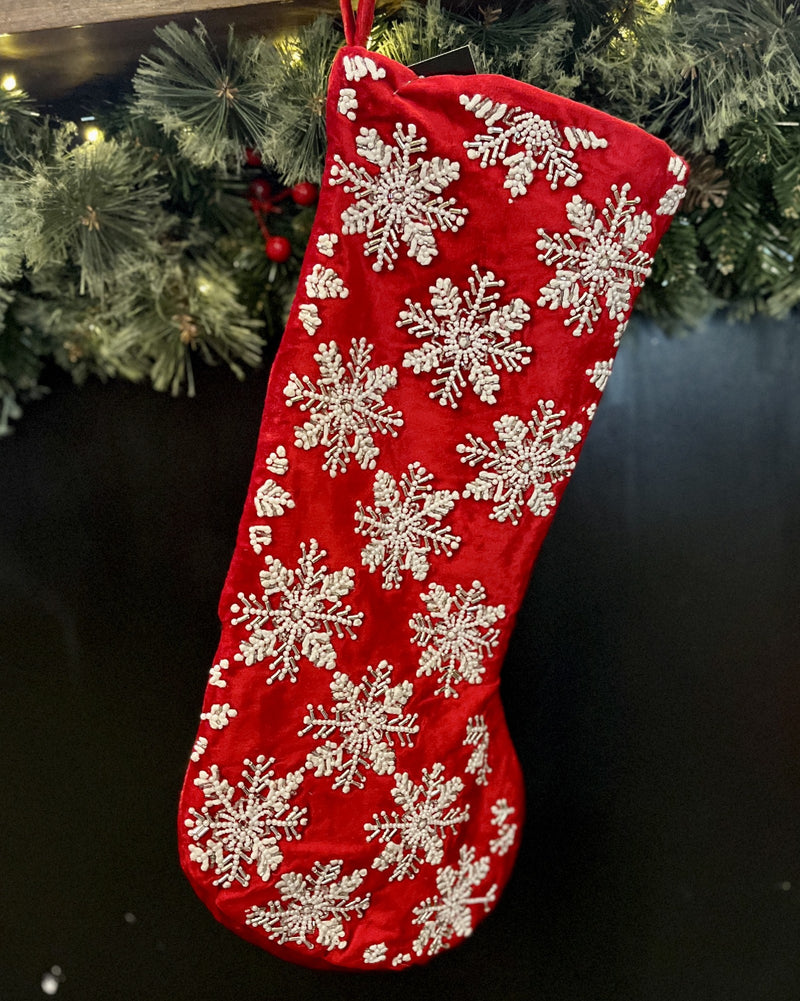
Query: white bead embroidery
x=448 y=916
x=520 y=468
x=277 y=462
x=240 y=826
x=326 y=243
x=478 y=737
x=308 y=612
x=199 y=749
x=677 y=166
x=215 y=674
x=671 y=200
x=467 y=337
x=403 y=202
x=599 y=375
x=346 y=406
x=357 y=67
x=426 y=815
x=597 y=257
x=260 y=537
x=456 y=635
x=324 y=283
x=539 y=145
x=271 y=500
x=347 y=104
x=314 y=905
x=405 y=525
x=219 y=716
x=308 y=315
x=367 y=718
x=375 y=953
x=506 y=831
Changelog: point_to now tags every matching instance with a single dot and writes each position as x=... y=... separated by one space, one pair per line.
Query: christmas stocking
x=353 y=798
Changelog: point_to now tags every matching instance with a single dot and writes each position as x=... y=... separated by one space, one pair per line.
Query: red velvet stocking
x=353 y=798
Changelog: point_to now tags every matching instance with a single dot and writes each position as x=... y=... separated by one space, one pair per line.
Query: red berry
x=260 y=190
x=278 y=249
x=252 y=157
x=305 y=193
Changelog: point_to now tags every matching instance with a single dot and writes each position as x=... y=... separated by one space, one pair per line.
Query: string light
x=9 y=82
x=93 y=135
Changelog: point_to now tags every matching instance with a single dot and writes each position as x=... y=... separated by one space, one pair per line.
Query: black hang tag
x=457 y=62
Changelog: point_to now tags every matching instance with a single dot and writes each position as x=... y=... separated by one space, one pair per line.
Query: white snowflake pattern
x=405 y=525
x=466 y=337
x=521 y=467
x=347 y=104
x=367 y=717
x=477 y=736
x=375 y=953
x=199 y=749
x=427 y=814
x=260 y=537
x=677 y=166
x=456 y=634
x=506 y=830
x=403 y=202
x=537 y=144
x=277 y=462
x=309 y=317
x=600 y=373
x=271 y=500
x=307 y=612
x=240 y=826
x=219 y=715
x=357 y=67
x=671 y=200
x=447 y=916
x=326 y=243
x=314 y=905
x=600 y=257
x=324 y=283
x=215 y=674
x=346 y=406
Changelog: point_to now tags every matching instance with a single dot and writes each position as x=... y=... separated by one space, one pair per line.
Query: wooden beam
x=33 y=15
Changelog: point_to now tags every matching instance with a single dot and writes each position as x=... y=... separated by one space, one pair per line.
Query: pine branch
x=210 y=103
x=293 y=77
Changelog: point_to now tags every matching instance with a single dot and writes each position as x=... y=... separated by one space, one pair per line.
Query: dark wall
x=651 y=689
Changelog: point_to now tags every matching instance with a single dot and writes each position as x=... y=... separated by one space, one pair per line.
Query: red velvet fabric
x=409 y=859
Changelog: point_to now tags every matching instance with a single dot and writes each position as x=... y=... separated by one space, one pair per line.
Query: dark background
x=651 y=689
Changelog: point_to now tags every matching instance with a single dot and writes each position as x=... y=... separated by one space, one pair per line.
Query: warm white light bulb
x=93 y=135
x=9 y=82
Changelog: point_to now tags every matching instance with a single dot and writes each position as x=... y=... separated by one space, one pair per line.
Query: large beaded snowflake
x=403 y=202
x=467 y=337
x=308 y=612
x=447 y=917
x=366 y=718
x=457 y=635
x=416 y=833
x=599 y=258
x=405 y=525
x=239 y=827
x=314 y=905
x=346 y=406
x=536 y=144
x=522 y=465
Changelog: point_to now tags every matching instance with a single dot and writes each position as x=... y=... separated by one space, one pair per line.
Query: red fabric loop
x=357 y=26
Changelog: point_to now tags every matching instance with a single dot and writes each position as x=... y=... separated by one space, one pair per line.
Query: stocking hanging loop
x=357 y=26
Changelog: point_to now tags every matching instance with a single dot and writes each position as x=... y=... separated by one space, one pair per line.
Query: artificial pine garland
x=131 y=256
